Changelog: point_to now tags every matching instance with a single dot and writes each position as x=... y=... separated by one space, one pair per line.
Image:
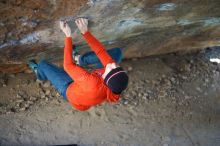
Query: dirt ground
x=172 y=100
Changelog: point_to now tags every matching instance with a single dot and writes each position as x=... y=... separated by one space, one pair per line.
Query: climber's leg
x=90 y=58
x=57 y=76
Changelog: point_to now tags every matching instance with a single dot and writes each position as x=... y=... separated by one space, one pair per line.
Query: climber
x=81 y=88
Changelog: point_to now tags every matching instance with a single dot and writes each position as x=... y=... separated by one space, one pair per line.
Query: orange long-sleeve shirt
x=88 y=89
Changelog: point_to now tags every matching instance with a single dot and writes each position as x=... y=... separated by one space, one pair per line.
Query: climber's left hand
x=65 y=28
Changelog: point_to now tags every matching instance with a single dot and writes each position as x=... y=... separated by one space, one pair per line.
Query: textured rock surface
x=140 y=27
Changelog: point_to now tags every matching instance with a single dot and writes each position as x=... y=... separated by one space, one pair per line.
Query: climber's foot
x=76 y=55
x=33 y=65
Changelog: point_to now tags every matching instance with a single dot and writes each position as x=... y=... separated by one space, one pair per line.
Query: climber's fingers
x=81 y=21
x=61 y=25
x=82 y=24
x=77 y=22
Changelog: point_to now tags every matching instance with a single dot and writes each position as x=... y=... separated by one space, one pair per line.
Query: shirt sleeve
x=98 y=48
x=74 y=71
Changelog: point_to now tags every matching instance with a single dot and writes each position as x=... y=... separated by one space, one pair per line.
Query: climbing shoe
x=33 y=65
x=75 y=54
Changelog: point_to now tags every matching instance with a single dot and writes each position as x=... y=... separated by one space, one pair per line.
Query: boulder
x=140 y=28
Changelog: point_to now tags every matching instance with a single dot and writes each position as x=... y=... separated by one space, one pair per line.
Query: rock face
x=29 y=29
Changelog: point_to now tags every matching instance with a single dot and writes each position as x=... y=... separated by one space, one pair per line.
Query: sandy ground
x=172 y=100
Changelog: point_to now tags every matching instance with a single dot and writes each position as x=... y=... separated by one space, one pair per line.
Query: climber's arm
x=95 y=45
x=98 y=48
x=74 y=71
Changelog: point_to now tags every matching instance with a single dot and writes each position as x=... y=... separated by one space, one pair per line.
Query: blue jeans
x=61 y=80
x=90 y=58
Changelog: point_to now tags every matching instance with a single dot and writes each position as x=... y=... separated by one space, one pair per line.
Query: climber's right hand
x=82 y=24
x=65 y=28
